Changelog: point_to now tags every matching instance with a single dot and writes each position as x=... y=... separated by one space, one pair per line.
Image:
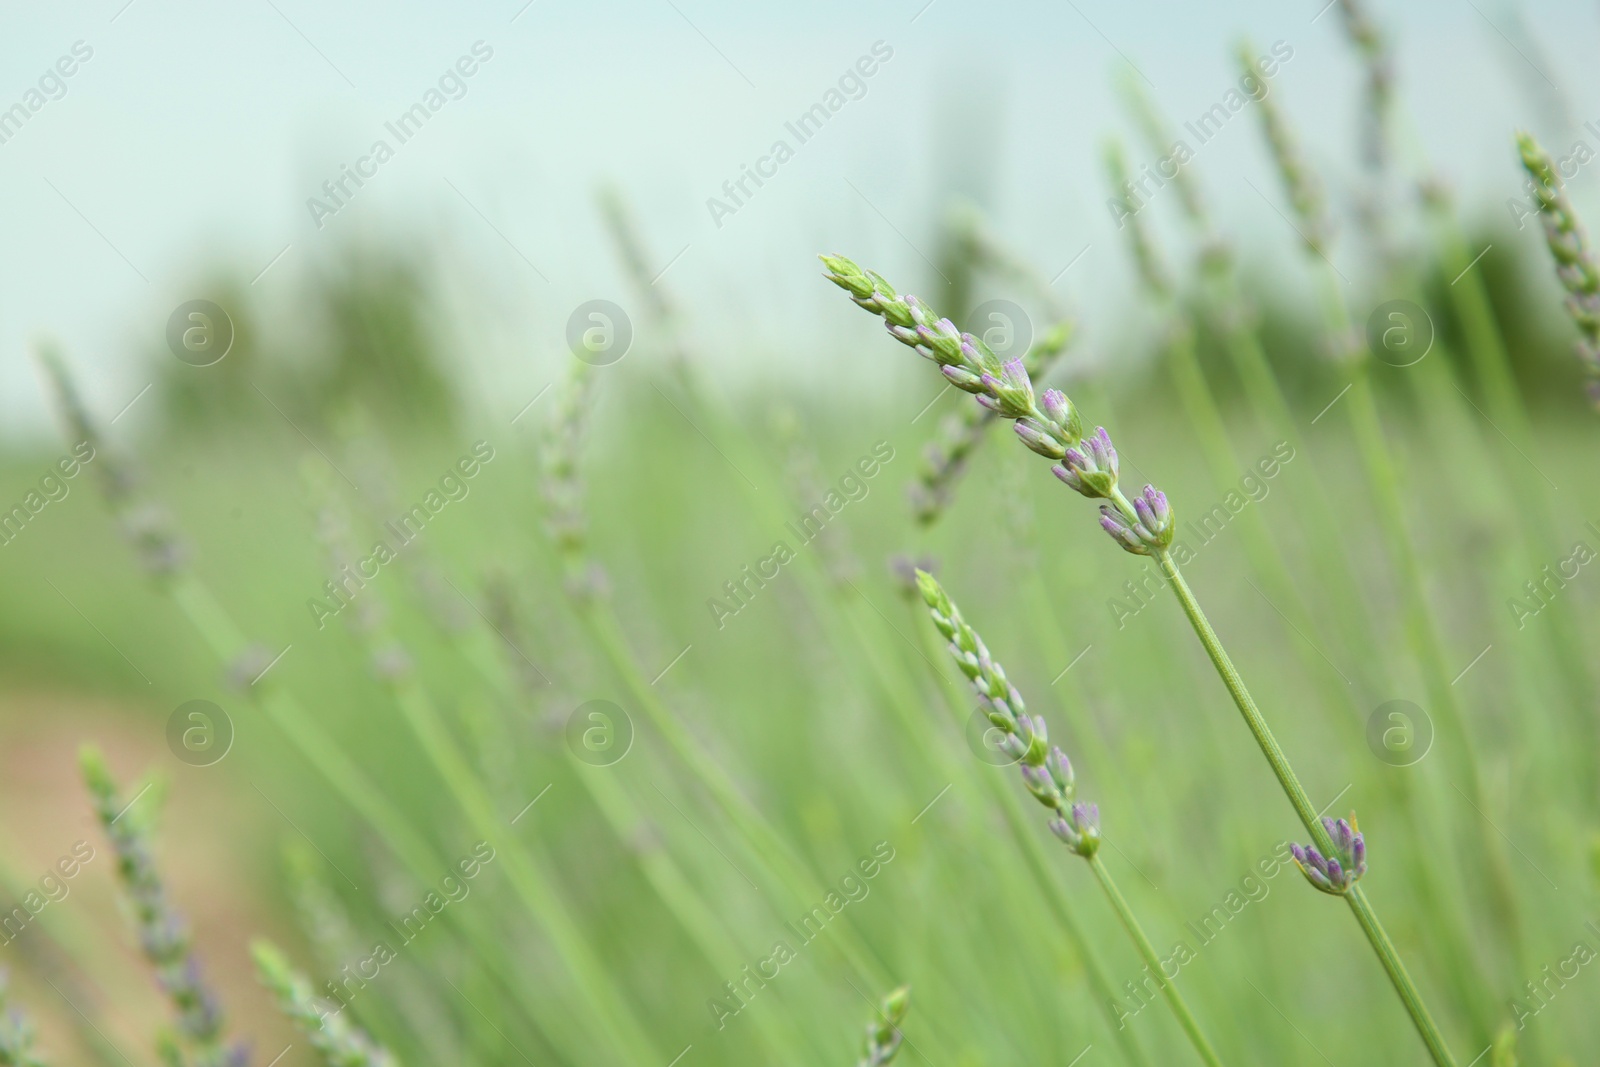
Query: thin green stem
x=1296 y=793
x=699 y=919
x=1175 y=1000
x=217 y=628
x=779 y=862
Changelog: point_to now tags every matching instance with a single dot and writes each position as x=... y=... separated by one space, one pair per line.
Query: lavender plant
x=346 y=777
x=163 y=934
x=1385 y=476
x=1574 y=257
x=1046 y=771
x=883 y=1033
x=1200 y=402
x=16 y=1035
x=1050 y=425
x=563 y=489
x=341 y=1043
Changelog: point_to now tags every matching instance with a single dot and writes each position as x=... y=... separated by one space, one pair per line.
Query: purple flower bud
x=1067 y=474
x=920 y=315
x=964 y=379
x=1015 y=375
x=1038 y=440
x=1100 y=447
x=1086 y=823
x=1056 y=407
x=942 y=340
x=1155 y=527
x=1122 y=531
x=1091 y=469
x=1060 y=769
x=971 y=356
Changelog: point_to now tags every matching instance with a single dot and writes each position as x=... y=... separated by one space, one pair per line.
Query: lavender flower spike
x=16 y=1034
x=883 y=1034
x=324 y=1023
x=1046 y=771
x=1576 y=265
x=1336 y=873
x=1002 y=386
x=163 y=935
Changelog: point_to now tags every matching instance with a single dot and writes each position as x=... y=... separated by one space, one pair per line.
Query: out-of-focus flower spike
x=16 y=1034
x=883 y=1033
x=1574 y=257
x=163 y=935
x=341 y=1043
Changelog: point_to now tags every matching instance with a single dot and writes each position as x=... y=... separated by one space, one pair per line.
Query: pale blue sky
x=199 y=130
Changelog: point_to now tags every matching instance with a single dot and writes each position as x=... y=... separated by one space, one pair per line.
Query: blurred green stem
x=781 y=864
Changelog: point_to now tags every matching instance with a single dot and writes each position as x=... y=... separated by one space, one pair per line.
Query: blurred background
x=555 y=350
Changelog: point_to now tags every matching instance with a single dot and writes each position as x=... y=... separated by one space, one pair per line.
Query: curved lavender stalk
x=1051 y=426
x=883 y=1033
x=341 y=1043
x=163 y=934
x=1047 y=773
x=1574 y=256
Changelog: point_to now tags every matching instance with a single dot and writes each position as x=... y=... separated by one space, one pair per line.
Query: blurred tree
x=365 y=339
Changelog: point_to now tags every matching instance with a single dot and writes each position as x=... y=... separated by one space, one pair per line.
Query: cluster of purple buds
x=1079 y=828
x=149 y=529
x=1008 y=393
x=1053 y=428
x=1050 y=781
x=1149 y=531
x=1090 y=469
x=1337 y=872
